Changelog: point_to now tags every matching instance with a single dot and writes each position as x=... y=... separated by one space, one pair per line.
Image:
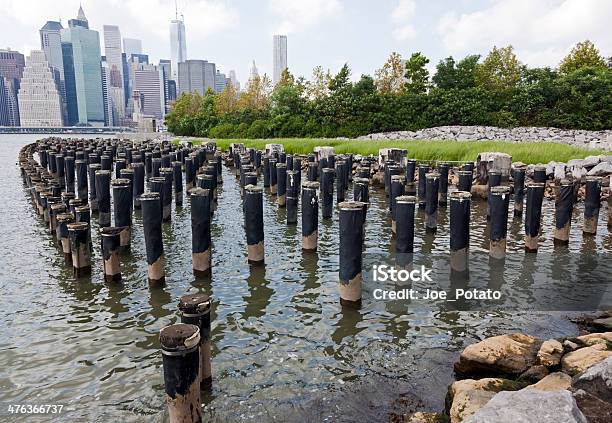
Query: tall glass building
x=178 y=45
x=83 y=45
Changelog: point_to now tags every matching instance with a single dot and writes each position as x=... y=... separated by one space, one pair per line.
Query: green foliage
x=499 y=92
x=583 y=55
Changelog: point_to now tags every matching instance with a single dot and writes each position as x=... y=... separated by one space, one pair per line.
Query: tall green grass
x=526 y=152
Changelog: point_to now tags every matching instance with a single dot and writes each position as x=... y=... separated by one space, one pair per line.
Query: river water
x=283 y=350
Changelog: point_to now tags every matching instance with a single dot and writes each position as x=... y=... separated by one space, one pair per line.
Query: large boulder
x=505 y=354
x=578 y=361
x=603 y=322
x=488 y=161
x=469 y=395
x=399 y=155
x=323 y=151
x=596 y=380
x=529 y=406
x=423 y=417
x=550 y=353
x=604 y=338
x=602 y=169
x=593 y=408
x=553 y=382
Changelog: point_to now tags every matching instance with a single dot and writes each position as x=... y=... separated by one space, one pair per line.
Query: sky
x=233 y=33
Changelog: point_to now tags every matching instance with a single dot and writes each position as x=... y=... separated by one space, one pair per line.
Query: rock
x=550 y=353
x=518 y=164
x=421 y=417
x=399 y=155
x=596 y=380
x=479 y=191
x=533 y=374
x=320 y=151
x=570 y=346
x=553 y=382
x=578 y=361
x=488 y=161
x=593 y=408
x=505 y=354
x=604 y=322
x=468 y=395
x=559 y=171
x=529 y=406
x=486 y=384
x=602 y=169
x=590 y=161
x=467 y=403
x=604 y=338
x=279 y=148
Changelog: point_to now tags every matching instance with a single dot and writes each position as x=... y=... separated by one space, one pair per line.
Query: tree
x=501 y=70
x=340 y=80
x=226 y=101
x=390 y=78
x=257 y=94
x=318 y=86
x=417 y=75
x=583 y=55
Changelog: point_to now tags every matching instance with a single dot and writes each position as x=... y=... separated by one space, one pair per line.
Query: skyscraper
x=11 y=69
x=110 y=114
x=219 y=82
x=39 y=96
x=4 y=105
x=279 y=57
x=165 y=66
x=87 y=72
x=196 y=76
x=132 y=46
x=149 y=82
x=178 y=45
x=51 y=44
x=112 y=50
x=234 y=80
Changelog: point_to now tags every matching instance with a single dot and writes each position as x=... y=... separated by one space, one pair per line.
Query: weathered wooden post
x=539 y=174
x=166 y=173
x=465 y=181
x=152 y=227
x=443 y=188
x=81 y=177
x=61 y=170
x=423 y=170
x=102 y=187
x=139 y=183
x=404 y=228
x=535 y=195
x=293 y=191
x=63 y=220
x=194 y=309
x=266 y=171
x=273 y=176
x=180 y=345
x=78 y=234
x=122 y=202
x=327 y=193
x=564 y=207
x=361 y=190
x=341 y=181
x=592 y=203
x=432 y=183
x=459 y=231
x=253 y=223
x=410 y=170
x=499 y=201
x=519 y=190
x=312 y=171
x=351 y=240
x=310 y=216
x=610 y=203
x=281 y=181
x=396 y=189
x=494 y=180
x=200 y=231
x=110 y=252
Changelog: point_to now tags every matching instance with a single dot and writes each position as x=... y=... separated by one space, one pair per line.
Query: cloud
x=296 y=15
x=401 y=16
x=542 y=32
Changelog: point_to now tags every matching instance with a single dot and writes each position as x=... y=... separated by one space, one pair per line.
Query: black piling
x=443 y=188
x=152 y=227
x=266 y=171
x=177 y=179
x=404 y=228
x=63 y=220
x=535 y=196
x=81 y=178
x=396 y=189
x=432 y=183
x=564 y=207
x=201 y=203
x=361 y=190
x=592 y=203
x=273 y=176
x=423 y=170
x=111 y=241
x=194 y=309
x=310 y=216
x=494 y=180
x=253 y=223
x=459 y=231
x=312 y=171
x=166 y=173
x=103 y=197
x=499 y=201
x=539 y=174
x=281 y=181
x=465 y=181
x=122 y=204
x=78 y=233
x=519 y=190
x=327 y=193
x=410 y=170
x=293 y=191
x=180 y=345
x=139 y=183
x=351 y=241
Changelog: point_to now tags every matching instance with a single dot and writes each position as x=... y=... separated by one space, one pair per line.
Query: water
x=282 y=348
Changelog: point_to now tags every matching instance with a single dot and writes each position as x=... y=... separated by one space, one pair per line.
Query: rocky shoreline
x=518 y=378
x=575 y=137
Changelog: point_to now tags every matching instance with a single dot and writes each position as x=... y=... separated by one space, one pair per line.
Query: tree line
x=498 y=90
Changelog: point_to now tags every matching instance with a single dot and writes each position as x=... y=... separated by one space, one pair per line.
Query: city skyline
x=329 y=33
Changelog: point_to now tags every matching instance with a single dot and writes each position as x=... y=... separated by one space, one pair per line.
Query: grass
x=527 y=152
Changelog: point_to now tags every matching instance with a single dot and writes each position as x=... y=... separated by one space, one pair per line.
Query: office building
x=149 y=82
x=51 y=44
x=112 y=50
x=279 y=57
x=165 y=66
x=39 y=95
x=132 y=46
x=11 y=70
x=234 y=80
x=220 y=82
x=196 y=76
x=82 y=46
x=178 y=45
x=110 y=116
